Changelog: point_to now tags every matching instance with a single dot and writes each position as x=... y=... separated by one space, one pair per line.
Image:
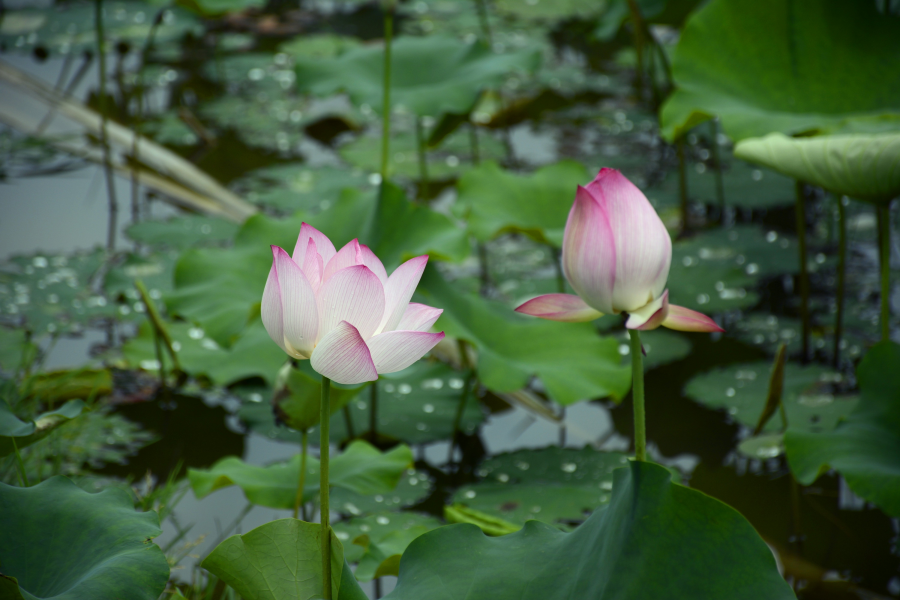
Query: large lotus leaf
x=768 y=65
x=23 y=433
x=281 y=560
x=553 y=485
x=61 y=542
x=865 y=448
x=182 y=232
x=550 y=10
x=222 y=299
x=414 y=486
x=155 y=270
x=71 y=29
x=253 y=354
x=866 y=167
x=294 y=187
x=656 y=539
x=217 y=8
x=494 y=201
x=377 y=541
x=430 y=75
x=572 y=361
x=361 y=468
x=742 y=389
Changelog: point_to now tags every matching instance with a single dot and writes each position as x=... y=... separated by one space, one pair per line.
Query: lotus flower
x=341 y=310
x=616 y=255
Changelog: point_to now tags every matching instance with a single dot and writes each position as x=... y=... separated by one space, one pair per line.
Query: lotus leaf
x=864 y=448
x=182 y=232
x=12 y=429
x=59 y=541
x=16 y=351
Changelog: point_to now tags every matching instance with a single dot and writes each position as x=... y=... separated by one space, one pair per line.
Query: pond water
x=219 y=100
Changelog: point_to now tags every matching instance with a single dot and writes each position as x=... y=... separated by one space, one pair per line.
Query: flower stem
x=423 y=159
x=884 y=260
x=460 y=409
x=386 y=100
x=637 y=395
x=841 y=277
x=325 y=417
x=804 y=274
x=301 y=481
x=682 y=182
x=720 y=183
x=104 y=141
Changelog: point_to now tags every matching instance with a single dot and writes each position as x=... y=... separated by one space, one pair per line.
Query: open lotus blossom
x=616 y=255
x=341 y=310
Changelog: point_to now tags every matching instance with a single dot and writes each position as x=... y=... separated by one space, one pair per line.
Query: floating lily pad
x=361 y=468
x=792 y=68
x=741 y=389
x=299 y=396
x=767 y=331
x=572 y=361
x=96 y=546
x=660 y=345
x=429 y=75
x=680 y=543
x=865 y=167
x=494 y=201
x=168 y=128
x=155 y=270
x=549 y=10
x=183 y=232
x=762 y=447
x=25 y=433
x=217 y=8
x=553 y=485
x=318 y=45
x=865 y=448
x=413 y=487
x=296 y=187
x=377 y=541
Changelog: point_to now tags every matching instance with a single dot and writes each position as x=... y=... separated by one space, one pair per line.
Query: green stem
x=325 y=416
x=460 y=409
x=484 y=22
x=841 y=278
x=484 y=268
x=104 y=142
x=348 y=422
x=637 y=395
x=682 y=182
x=637 y=27
x=473 y=144
x=560 y=275
x=23 y=476
x=804 y=274
x=386 y=99
x=562 y=426
x=301 y=481
x=884 y=259
x=423 y=159
x=717 y=165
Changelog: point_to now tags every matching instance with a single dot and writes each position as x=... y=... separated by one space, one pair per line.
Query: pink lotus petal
x=559 y=307
x=270 y=310
x=323 y=244
x=399 y=289
x=589 y=252
x=370 y=260
x=418 y=317
x=300 y=315
x=342 y=356
x=650 y=316
x=685 y=319
x=348 y=256
x=312 y=265
x=396 y=350
x=355 y=295
x=643 y=246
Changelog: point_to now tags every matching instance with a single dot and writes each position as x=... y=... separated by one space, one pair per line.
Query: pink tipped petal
x=399 y=289
x=298 y=301
x=418 y=317
x=650 y=316
x=343 y=357
x=355 y=295
x=271 y=311
x=348 y=256
x=589 y=252
x=396 y=350
x=323 y=244
x=643 y=246
x=312 y=265
x=685 y=319
x=370 y=260
x=559 y=307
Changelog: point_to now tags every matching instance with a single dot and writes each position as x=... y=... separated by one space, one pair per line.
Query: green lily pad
x=318 y=45
x=155 y=270
x=679 y=543
x=571 y=360
x=793 y=68
x=377 y=541
x=296 y=187
x=494 y=201
x=95 y=545
x=183 y=232
x=763 y=446
x=222 y=301
x=16 y=351
x=299 y=396
x=741 y=389
x=361 y=469
x=549 y=10
x=217 y=8
x=168 y=129
x=865 y=167
x=281 y=560
x=430 y=75
x=26 y=433
x=661 y=346
x=768 y=331
x=865 y=448
x=414 y=486
x=553 y=485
